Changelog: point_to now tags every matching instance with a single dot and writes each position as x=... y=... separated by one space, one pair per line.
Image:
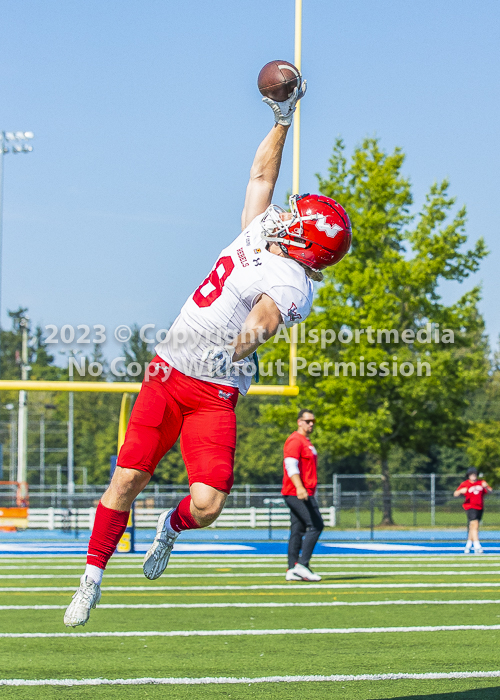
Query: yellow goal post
x=129 y=388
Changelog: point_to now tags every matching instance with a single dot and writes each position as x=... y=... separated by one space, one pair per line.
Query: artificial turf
x=264 y=655
x=474 y=689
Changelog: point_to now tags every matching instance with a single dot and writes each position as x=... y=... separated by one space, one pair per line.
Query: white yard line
x=249 y=632
x=224 y=574
x=292 y=587
x=205 y=560
x=252 y=557
x=327 y=562
x=220 y=680
x=186 y=606
x=408 y=547
x=279 y=565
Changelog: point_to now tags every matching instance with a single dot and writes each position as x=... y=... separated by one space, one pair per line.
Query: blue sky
x=146 y=118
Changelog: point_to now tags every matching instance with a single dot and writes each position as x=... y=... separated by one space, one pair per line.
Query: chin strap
x=274 y=229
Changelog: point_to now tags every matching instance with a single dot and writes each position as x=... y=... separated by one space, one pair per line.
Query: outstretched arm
x=267 y=161
x=263 y=174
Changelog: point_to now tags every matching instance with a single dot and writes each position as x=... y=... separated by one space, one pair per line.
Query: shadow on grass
x=479 y=694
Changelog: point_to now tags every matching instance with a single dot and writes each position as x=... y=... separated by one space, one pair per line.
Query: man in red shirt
x=474 y=491
x=300 y=479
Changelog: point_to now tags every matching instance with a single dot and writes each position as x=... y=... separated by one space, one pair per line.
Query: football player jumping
x=261 y=280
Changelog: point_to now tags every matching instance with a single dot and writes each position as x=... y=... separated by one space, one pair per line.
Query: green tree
x=96 y=422
x=41 y=363
x=137 y=350
x=388 y=284
x=40 y=360
x=482 y=443
x=483 y=449
x=259 y=451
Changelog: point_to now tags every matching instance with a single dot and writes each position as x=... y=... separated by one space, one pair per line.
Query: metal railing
x=230 y=518
x=255 y=506
x=163 y=496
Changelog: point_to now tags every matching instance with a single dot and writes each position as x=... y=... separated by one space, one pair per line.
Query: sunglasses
x=311 y=420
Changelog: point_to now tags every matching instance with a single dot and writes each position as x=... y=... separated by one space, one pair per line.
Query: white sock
x=477 y=544
x=94 y=572
x=469 y=544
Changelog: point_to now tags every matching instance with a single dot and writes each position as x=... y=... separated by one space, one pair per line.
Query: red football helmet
x=318 y=234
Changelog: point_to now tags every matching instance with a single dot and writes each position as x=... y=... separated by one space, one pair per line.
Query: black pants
x=306 y=527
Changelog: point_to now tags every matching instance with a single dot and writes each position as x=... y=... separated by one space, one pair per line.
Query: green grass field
x=262 y=627
x=404 y=517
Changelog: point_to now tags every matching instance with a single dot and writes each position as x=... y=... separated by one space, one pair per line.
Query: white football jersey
x=214 y=314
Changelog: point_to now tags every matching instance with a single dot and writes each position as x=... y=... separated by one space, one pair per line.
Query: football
x=278 y=79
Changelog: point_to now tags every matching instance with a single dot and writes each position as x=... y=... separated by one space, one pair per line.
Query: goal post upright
x=123 y=419
x=292 y=378
x=126 y=545
x=296 y=120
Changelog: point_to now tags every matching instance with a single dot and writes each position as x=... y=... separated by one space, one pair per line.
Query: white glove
x=283 y=111
x=219 y=359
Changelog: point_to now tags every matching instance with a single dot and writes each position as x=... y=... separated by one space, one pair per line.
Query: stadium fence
x=261 y=506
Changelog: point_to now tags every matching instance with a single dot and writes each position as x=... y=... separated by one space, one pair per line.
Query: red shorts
x=171 y=403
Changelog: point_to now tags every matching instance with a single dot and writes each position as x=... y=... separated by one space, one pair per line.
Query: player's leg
x=153 y=428
x=206 y=504
x=474 y=534
x=309 y=513
x=468 y=546
x=473 y=531
x=314 y=530
x=208 y=443
x=111 y=518
x=473 y=517
x=298 y=529
x=199 y=509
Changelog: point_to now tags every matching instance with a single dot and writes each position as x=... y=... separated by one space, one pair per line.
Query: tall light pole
x=22 y=424
x=71 y=458
x=10 y=142
x=42 y=451
x=51 y=407
x=71 y=444
x=12 y=434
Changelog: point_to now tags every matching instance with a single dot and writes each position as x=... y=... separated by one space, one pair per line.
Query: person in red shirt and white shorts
x=474 y=490
x=300 y=479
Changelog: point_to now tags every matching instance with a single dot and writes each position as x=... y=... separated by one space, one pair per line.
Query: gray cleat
x=156 y=559
x=84 y=600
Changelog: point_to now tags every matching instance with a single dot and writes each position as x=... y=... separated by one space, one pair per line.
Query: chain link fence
x=410 y=509
x=352 y=510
